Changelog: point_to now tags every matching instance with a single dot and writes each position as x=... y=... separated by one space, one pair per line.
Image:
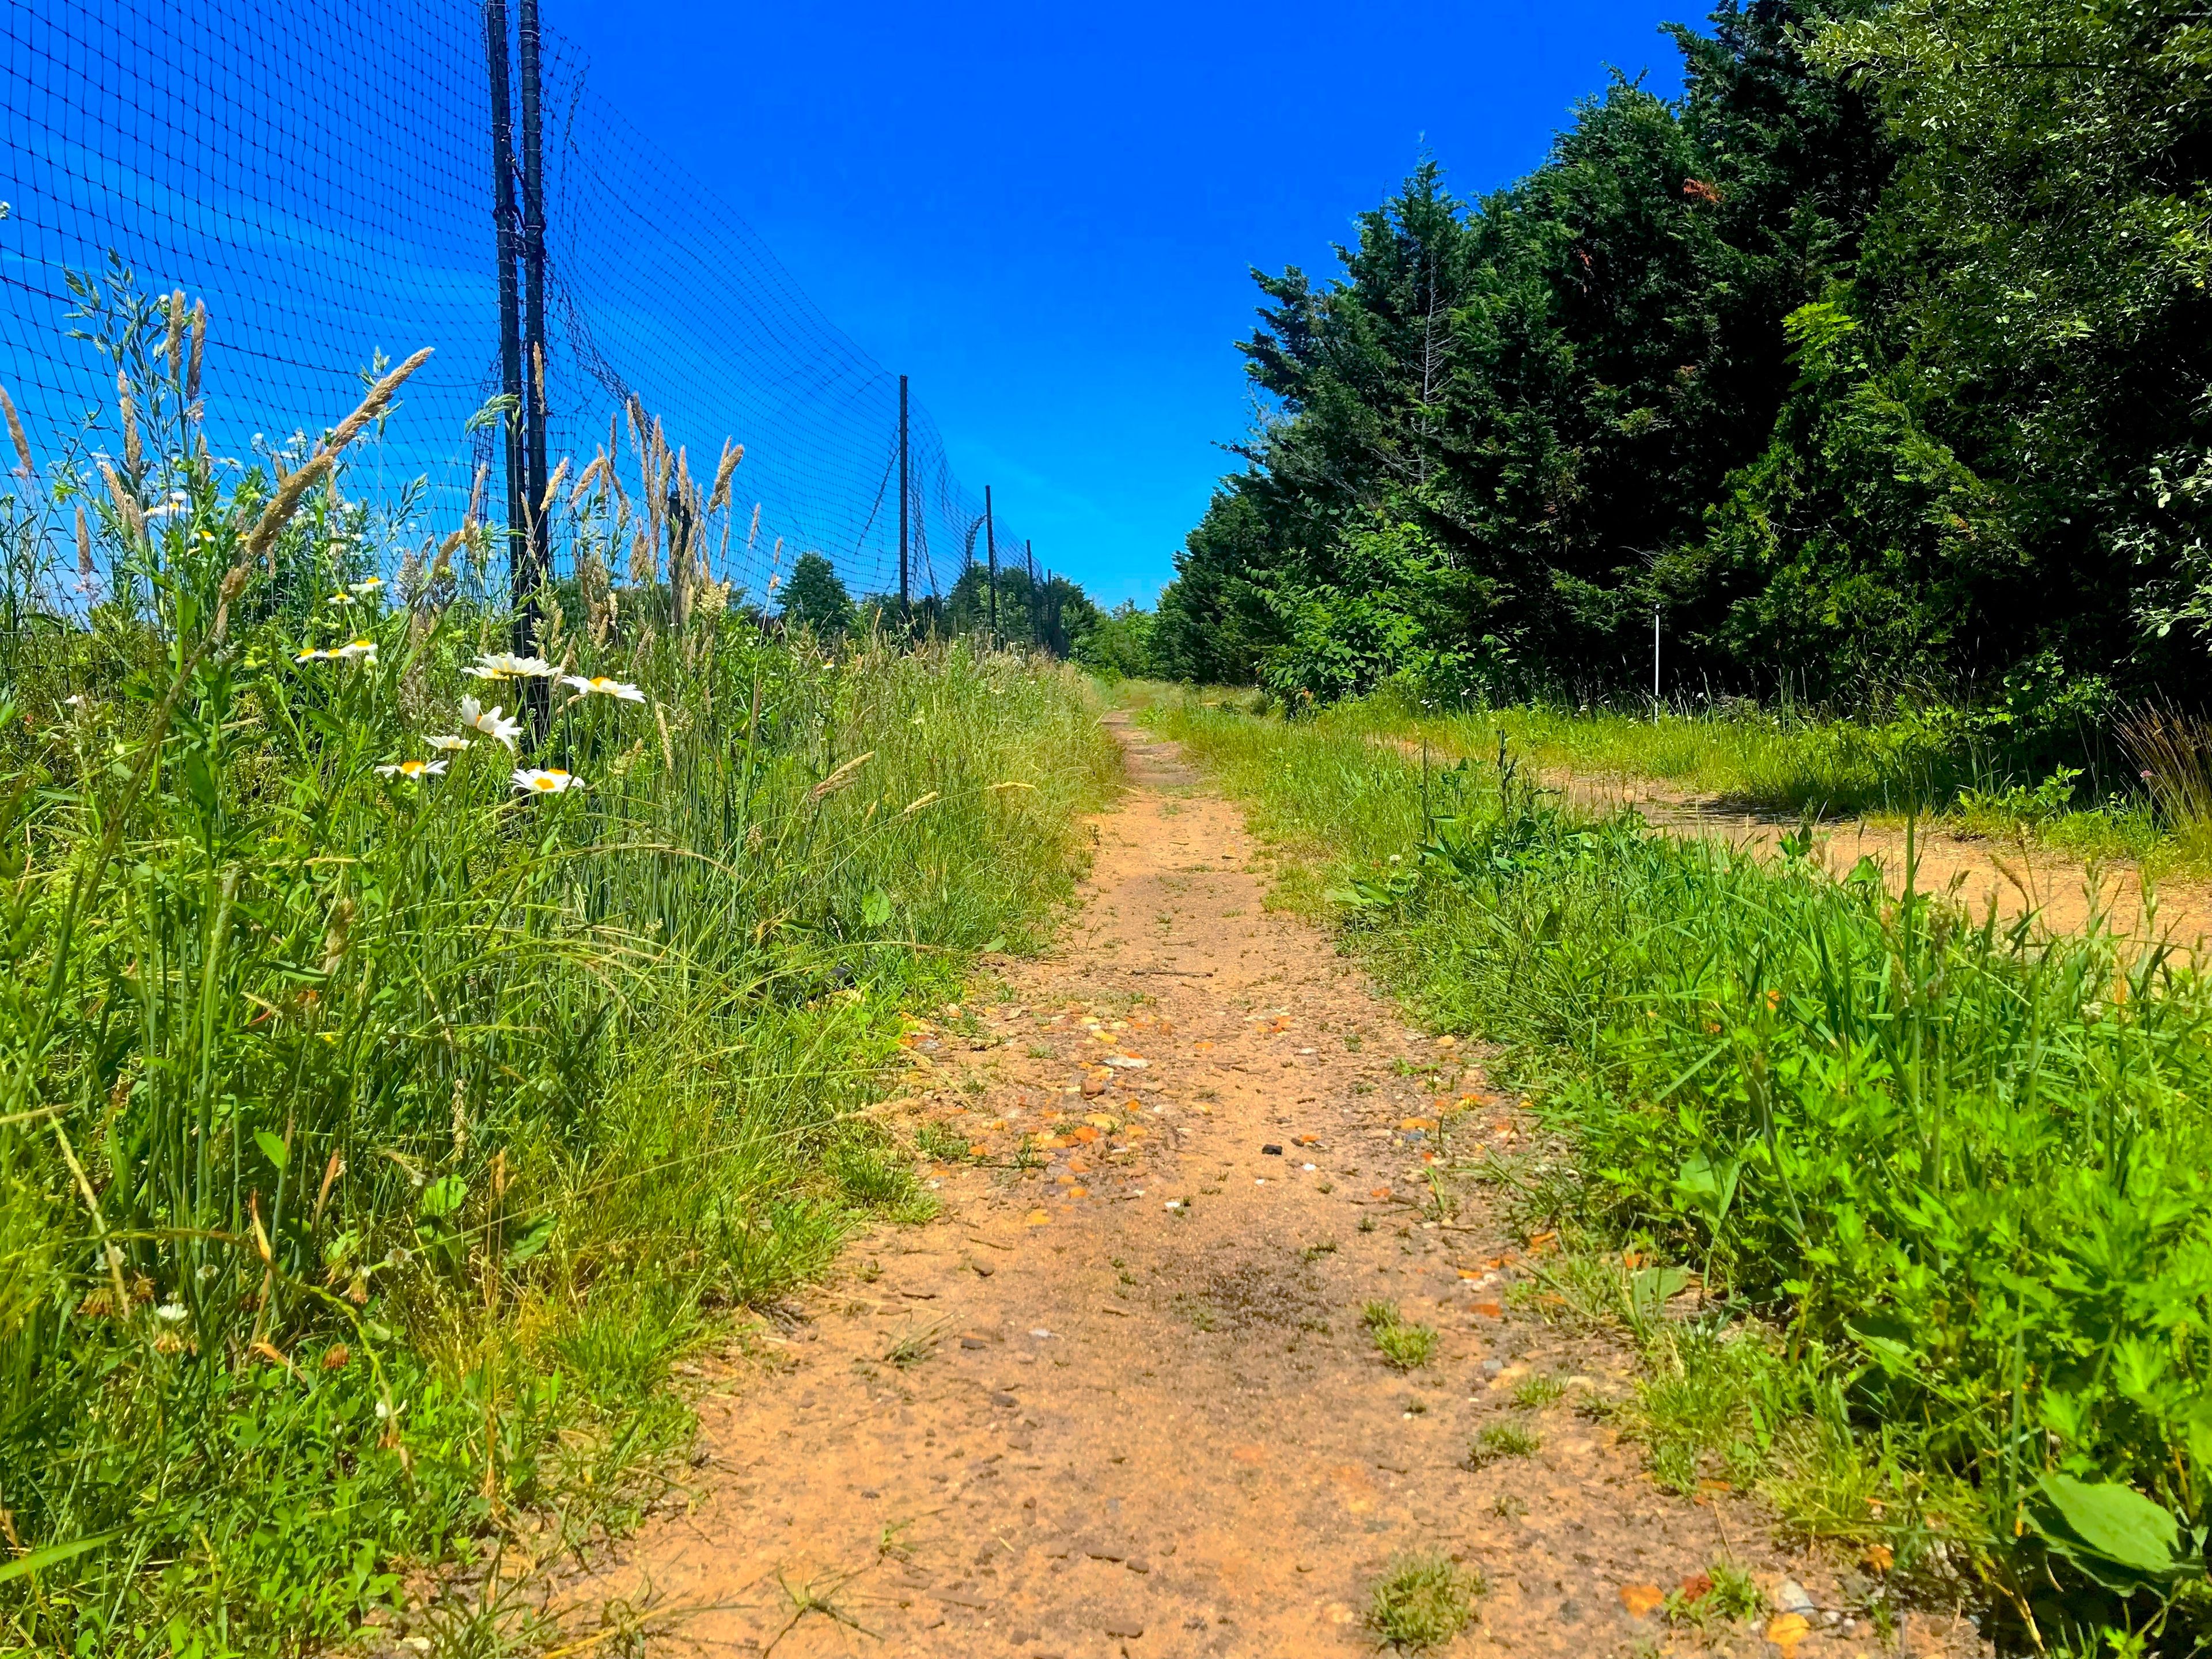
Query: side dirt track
x=1122 y=1402
x=2018 y=877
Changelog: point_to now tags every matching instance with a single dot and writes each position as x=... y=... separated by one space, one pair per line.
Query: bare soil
x=1119 y=1398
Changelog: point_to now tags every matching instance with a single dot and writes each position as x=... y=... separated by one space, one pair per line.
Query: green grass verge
x=372 y=1146
x=1944 y=1183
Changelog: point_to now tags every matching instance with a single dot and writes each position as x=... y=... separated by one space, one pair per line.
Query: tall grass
x=372 y=1142
x=1955 y=1168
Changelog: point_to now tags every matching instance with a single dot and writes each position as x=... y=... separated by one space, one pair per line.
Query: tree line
x=1878 y=361
x=1052 y=614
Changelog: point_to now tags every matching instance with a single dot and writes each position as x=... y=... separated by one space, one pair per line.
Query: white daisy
x=355 y=651
x=449 y=744
x=503 y=666
x=489 y=722
x=603 y=687
x=545 y=780
x=412 y=770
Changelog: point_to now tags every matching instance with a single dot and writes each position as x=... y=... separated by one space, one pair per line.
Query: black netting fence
x=324 y=179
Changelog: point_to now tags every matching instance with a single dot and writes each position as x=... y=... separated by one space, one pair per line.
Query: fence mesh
x=324 y=179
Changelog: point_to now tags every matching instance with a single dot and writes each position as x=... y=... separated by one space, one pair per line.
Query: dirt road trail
x=1122 y=1401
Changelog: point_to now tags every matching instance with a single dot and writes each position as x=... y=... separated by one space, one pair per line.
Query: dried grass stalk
x=199 y=349
x=281 y=505
x=553 y=487
x=843 y=776
x=719 y=497
x=176 y=343
x=584 y=483
x=132 y=452
x=441 y=568
x=18 y=436
x=126 y=504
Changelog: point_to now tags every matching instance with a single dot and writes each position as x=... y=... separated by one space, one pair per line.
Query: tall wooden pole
x=510 y=303
x=1029 y=554
x=538 y=699
x=906 y=601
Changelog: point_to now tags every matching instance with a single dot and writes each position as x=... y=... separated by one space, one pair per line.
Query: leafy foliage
x=1877 y=361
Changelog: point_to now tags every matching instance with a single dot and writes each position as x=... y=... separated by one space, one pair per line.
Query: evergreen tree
x=815 y=597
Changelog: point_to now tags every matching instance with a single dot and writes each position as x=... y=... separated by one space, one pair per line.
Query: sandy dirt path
x=1121 y=1401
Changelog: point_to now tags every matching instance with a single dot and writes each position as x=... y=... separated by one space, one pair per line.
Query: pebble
x=1790 y=1597
x=1003 y=1399
x=1128 y=1629
x=1491 y=1367
x=973 y=1342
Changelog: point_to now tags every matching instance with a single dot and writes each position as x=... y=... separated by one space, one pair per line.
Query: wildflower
x=355 y=651
x=489 y=722
x=545 y=780
x=503 y=666
x=313 y=656
x=603 y=687
x=411 y=770
x=369 y=587
x=170 y=1312
x=75 y=700
x=447 y=743
x=340 y=598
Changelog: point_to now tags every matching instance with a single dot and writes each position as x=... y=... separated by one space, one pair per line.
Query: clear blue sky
x=1046 y=213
